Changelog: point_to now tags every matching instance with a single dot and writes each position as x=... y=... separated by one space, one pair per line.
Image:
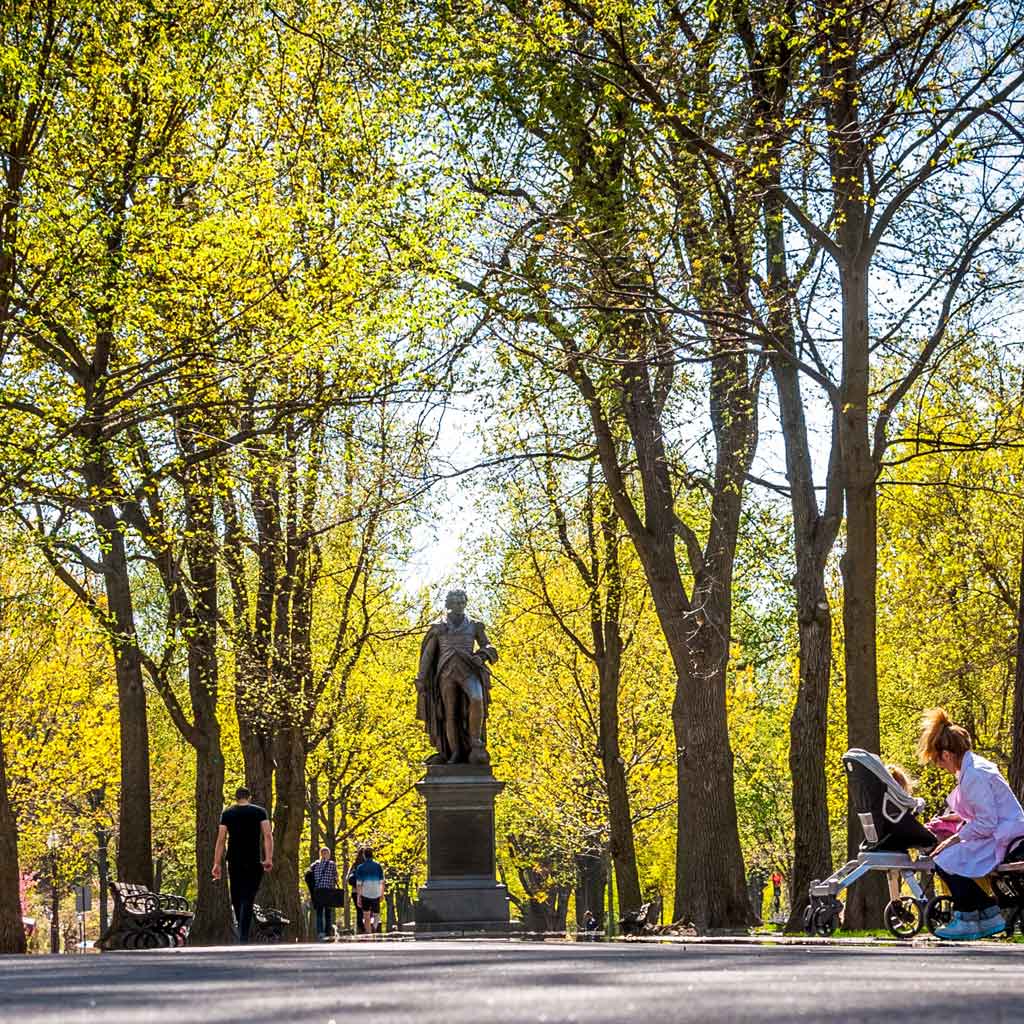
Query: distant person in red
x=776 y=891
x=242 y=827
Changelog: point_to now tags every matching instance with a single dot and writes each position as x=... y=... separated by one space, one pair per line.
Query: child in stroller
x=941 y=827
x=888 y=816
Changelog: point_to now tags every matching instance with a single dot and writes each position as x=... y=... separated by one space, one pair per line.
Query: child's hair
x=938 y=734
x=903 y=780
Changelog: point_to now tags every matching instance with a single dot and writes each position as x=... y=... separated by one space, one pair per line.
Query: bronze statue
x=453 y=685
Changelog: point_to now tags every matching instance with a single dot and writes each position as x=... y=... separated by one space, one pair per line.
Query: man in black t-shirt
x=242 y=826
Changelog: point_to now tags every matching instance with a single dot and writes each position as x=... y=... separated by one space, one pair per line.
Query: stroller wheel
x=1014 y=922
x=808 y=919
x=938 y=913
x=825 y=920
x=903 y=917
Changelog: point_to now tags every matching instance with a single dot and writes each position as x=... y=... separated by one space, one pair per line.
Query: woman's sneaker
x=991 y=922
x=963 y=927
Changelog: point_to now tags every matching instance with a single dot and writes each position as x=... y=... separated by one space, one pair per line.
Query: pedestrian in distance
x=325 y=885
x=243 y=827
x=369 y=891
x=776 y=891
x=350 y=880
x=755 y=891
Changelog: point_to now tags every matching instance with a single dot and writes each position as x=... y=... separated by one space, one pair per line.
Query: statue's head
x=455 y=601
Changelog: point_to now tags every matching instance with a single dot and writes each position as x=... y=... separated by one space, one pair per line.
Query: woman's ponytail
x=938 y=734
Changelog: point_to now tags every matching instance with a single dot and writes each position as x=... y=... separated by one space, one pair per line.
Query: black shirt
x=243 y=822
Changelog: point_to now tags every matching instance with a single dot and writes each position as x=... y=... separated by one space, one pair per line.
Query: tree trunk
x=710 y=885
x=608 y=649
x=255 y=703
x=714 y=892
x=547 y=900
x=314 y=821
x=1017 y=755
x=620 y=821
x=711 y=888
x=814 y=535
x=12 y=932
x=212 y=923
x=808 y=731
x=612 y=927
x=257 y=752
x=866 y=899
x=282 y=886
x=859 y=569
x=54 y=905
x=103 y=875
x=347 y=854
x=135 y=842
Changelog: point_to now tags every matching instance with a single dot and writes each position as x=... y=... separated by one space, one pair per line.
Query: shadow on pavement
x=467 y=983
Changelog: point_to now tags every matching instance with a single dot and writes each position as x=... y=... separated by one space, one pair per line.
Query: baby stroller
x=888 y=816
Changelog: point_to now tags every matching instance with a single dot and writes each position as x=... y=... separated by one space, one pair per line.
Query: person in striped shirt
x=325 y=876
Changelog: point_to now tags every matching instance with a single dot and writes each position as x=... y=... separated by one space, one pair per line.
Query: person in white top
x=990 y=820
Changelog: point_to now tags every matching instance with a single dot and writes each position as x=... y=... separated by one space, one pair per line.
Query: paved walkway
x=475 y=982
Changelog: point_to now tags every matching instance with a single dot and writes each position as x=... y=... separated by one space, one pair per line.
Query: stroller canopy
x=886 y=811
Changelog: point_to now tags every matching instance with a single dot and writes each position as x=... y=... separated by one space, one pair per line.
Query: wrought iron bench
x=268 y=924
x=144 y=919
x=636 y=922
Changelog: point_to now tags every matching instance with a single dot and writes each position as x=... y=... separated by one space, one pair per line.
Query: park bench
x=268 y=924
x=635 y=922
x=144 y=919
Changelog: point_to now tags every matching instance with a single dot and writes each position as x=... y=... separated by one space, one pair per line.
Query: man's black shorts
x=372 y=905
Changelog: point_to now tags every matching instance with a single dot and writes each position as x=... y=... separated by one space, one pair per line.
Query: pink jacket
x=993 y=819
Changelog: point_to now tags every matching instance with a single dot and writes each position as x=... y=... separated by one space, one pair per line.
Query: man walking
x=350 y=881
x=369 y=890
x=242 y=826
x=325 y=885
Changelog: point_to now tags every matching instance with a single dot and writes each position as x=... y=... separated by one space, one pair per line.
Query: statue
x=453 y=685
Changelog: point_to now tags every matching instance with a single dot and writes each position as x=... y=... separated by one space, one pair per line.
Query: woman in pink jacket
x=992 y=822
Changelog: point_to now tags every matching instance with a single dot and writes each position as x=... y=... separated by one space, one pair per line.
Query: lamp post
x=95 y=799
x=102 y=841
x=52 y=844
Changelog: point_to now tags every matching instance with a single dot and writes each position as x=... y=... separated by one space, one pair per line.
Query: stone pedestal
x=461 y=893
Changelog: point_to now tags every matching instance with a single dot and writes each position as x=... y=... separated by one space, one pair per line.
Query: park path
x=476 y=982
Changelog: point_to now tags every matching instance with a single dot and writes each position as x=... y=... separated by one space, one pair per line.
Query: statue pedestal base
x=461 y=893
